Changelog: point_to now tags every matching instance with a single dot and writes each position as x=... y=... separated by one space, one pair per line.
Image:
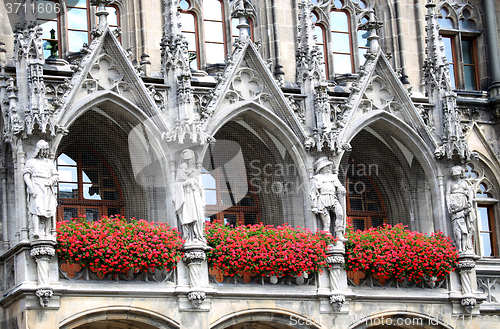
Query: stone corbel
x=335 y=260
x=194 y=258
x=42 y=252
x=466 y=265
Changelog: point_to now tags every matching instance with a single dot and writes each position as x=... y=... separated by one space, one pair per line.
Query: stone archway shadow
x=117 y=317
x=269 y=319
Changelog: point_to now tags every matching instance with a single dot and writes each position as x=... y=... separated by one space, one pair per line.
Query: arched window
x=86 y=186
x=209 y=29
x=365 y=206
x=485 y=221
x=319 y=32
x=342 y=41
x=346 y=43
x=72 y=20
x=459 y=39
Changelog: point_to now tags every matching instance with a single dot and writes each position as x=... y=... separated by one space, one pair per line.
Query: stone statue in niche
x=41 y=177
x=328 y=196
x=189 y=199
x=459 y=199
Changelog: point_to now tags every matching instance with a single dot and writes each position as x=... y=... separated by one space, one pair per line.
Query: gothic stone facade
x=394 y=93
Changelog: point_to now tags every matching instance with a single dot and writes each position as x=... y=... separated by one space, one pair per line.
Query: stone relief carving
x=45 y=295
x=41 y=177
x=193 y=130
x=459 y=199
x=246 y=85
x=105 y=74
x=328 y=195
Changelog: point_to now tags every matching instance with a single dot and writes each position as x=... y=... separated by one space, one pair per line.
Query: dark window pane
x=250 y=219
x=68 y=191
x=467 y=52
x=373 y=207
x=358 y=224
x=230 y=219
x=470 y=79
x=110 y=195
x=376 y=222
x=467 y=24
x=356 y=204
x=114 y=211
x=77 y=3
x=70 y=213
x=91 y=192
x=92 y=214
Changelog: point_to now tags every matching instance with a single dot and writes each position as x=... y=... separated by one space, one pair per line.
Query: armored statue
x=459 y=199
x=328 y=196
x=41 y=177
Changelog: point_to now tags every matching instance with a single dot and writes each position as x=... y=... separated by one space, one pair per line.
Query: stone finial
x=101 y=12
x=372 y=26
x=242 y=10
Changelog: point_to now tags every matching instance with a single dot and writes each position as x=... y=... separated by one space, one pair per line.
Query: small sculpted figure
x=41 y=177
x=189 y=199
x=327 y=196
x=459 y=199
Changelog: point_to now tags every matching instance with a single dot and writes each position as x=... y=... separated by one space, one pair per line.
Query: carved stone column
x=466 y=265
x=43 y=251
x=335 y=260
x=194 y=258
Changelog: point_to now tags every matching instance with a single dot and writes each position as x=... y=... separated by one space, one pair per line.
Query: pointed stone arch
x=141 y=318
x=406 y=164
x=278 y=158
x=133 y=148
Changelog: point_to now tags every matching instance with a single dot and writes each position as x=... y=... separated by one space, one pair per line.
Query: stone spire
x=309 y=58
x=440 y=92
x=29 y=61
x=177 y=75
